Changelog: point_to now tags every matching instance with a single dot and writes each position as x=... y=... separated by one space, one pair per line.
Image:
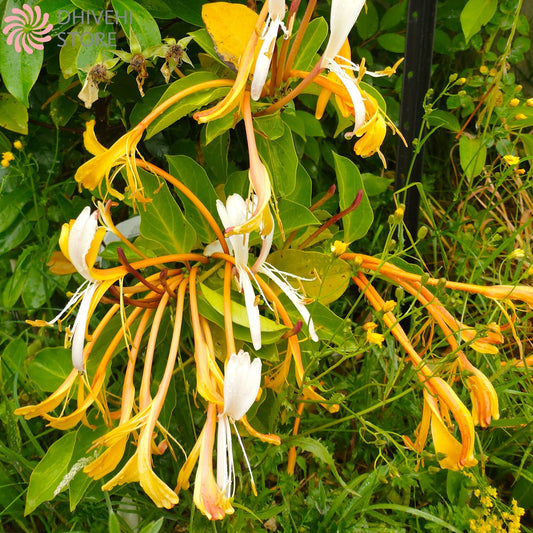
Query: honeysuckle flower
x=438 y=399
x=207 y=496
x=80 y=241
x=344 y=13
x=121 y=154
x=276 y=13
x=242 y=380
x=484 y=398
x=237 y=212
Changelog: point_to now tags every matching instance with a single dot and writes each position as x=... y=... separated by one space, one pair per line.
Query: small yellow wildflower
x=517 y=254
x=511 y=160
x=6 y=158
x=338 y=248
x=18 y=145
x=483 y=69
x=493 y=72
x=514 y=102
x=461 y=81
x=399 y=213
x=389 y=306
x=529 y=102
x=520 y=116
x=371 y=336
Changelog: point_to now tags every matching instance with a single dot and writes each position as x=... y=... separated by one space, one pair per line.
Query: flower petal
x=242 y=380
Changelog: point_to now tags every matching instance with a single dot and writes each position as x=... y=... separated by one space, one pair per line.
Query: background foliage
x=354 y=471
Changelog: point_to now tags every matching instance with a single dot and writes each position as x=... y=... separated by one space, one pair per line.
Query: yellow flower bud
x=338 y=248
x=514 y=102
x=4 y=163
x=461 y=81
x=520 y=116
x=483 y=69
x=529 y=102
x=18 y=145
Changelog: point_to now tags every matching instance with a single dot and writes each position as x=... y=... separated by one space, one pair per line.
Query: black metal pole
x=421 y=20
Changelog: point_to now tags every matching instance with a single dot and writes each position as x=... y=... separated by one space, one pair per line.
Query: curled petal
x=344 y=13
x=242 y=380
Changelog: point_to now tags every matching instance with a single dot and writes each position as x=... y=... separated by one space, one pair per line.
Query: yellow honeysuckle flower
x=372 y=133
x=449 y=450
x=484 y=398
x=121 y=154
x=210 y=499
x=139 y=468
x=483 y=344
x=31 y=411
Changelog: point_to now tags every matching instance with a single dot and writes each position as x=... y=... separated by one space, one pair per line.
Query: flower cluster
x=177 y=300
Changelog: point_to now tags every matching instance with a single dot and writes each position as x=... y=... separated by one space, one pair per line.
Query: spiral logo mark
x=27 y=29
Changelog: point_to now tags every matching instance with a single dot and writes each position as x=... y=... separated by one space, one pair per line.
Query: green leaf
x=193 y=176
x=162 y=220
x=303 y=189
x=314 y=36
x=326 y=277
x=139 y=21
x=375 y=185
x=368 y=21
x=315 y=447
x=48 y=474
x=13 y=114
x=113 y=525
x=153 y=527
x=472 y=155
x=15 y=235
x=68 y=55
x=81 y=456
x=11 y=205
x=281 y=159
x=527 y=141
x=358 y=222
x=96 y=40
x=218 y=127
x=294 y=216
x=439 y=117
x=50 y=367
x=34 y=292
x=211 y=306
x=61 y=110
x=19 y=70
x=187 y=104
x=476 y=14
x=394 y=16
x=392 y=42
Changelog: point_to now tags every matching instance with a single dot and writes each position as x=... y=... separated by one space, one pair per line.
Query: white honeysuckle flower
x=276 y=13
x=242 y=380
x=236 y=212
x=79 y=242
x=344 y=13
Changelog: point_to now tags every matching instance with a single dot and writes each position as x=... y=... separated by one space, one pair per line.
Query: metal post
x=421 y=20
